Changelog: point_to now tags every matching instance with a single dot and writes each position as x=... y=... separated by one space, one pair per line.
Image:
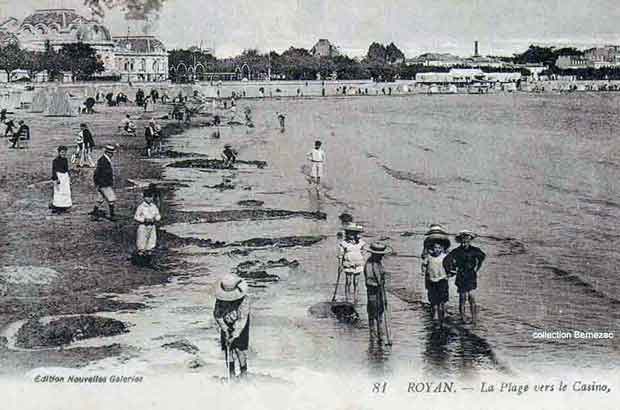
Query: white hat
x=230 y=288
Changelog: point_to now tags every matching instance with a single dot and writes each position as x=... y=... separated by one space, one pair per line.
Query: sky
x=502 y=27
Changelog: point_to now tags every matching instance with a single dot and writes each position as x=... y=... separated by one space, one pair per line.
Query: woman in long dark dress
x=61 y=201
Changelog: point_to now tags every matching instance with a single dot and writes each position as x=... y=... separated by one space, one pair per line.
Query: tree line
x=79 y=59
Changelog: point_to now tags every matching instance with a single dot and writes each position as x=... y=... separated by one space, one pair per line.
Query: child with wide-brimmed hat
x=232 y=315
x=436 y=245
x=374 y=276
x=350 y=258
x=465 y=261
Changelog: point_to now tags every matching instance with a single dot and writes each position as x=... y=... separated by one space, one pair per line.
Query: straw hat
x=459 y=236
x=378 y=248
x=436 y=229
x=109 y=148
x=230 y=288
x=351 y=227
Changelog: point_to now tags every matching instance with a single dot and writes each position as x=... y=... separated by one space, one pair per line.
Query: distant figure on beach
x=351 y=259
x=229 y=156
x=232 y=315
x=248 y=117
x=281 y=119
x=9 y=129
x=345 y=219
x=150 y=135
x=3 y=113
x=154 y=95
x=22 y=134
x=374 y=276
x=77 y=158
x=147 y=215
x=139 y=97
x=89 y=145
x=128 y=125
x=61 y=200
x=316 y=158
x=465 y=261
x=104 y=182
x=436 y=246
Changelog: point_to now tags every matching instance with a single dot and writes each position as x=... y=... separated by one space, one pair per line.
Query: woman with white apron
x=61 y=201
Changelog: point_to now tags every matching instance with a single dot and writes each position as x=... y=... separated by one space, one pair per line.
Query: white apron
x=62 y=191
x=146 y=237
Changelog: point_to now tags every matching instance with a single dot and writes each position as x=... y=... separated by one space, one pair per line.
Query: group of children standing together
x=438 y=265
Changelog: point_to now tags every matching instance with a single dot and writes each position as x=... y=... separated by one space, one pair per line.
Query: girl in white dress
x=147 y=215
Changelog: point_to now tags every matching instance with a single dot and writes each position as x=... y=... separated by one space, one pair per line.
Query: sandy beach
x=88 y=258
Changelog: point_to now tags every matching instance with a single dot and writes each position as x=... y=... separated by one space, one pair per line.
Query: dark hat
x=109 y=148
x=62 y=148
x=464 y=233
x=345 y=217
x=378 y=248
x=227 y=146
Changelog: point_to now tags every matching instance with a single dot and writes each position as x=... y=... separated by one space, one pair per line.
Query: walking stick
x=387 y=317
x=337 y=282
x=227 y=362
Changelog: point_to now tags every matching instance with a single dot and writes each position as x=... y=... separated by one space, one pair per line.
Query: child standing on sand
x=316 y=158
x=465 y=261
x=351 y=258
x=147 y=215
x=435 y=275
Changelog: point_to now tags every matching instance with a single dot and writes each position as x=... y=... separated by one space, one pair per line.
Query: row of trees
x=77 y=58
x=381 y=62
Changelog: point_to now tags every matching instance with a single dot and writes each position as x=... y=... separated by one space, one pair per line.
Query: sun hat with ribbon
x=230 y=288
x=436 y=229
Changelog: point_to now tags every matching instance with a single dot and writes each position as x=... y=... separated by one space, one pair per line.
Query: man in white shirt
x=316 y=158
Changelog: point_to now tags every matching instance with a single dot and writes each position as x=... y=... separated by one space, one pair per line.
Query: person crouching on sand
x=232 y=315
x=229 y=156
x=375 y=290
x=465 y=261
x=351 y=259
x=147 y=215
x=435 y=275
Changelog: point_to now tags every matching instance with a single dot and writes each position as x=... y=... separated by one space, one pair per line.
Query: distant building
x=608 y=56
x=572 y=62
x=455 y=76
x=436 y=60
x=139 y=58
x=323 y=48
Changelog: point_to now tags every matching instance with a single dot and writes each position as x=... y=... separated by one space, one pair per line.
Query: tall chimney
x=476 y=49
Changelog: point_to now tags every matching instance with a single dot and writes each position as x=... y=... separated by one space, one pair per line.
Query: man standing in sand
x=316 y=158
x=104 y=181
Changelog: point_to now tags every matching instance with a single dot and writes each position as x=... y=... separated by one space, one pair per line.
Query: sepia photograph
x=309 y=204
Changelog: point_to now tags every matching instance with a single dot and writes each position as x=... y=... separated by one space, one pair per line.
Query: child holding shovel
x=232 y=315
